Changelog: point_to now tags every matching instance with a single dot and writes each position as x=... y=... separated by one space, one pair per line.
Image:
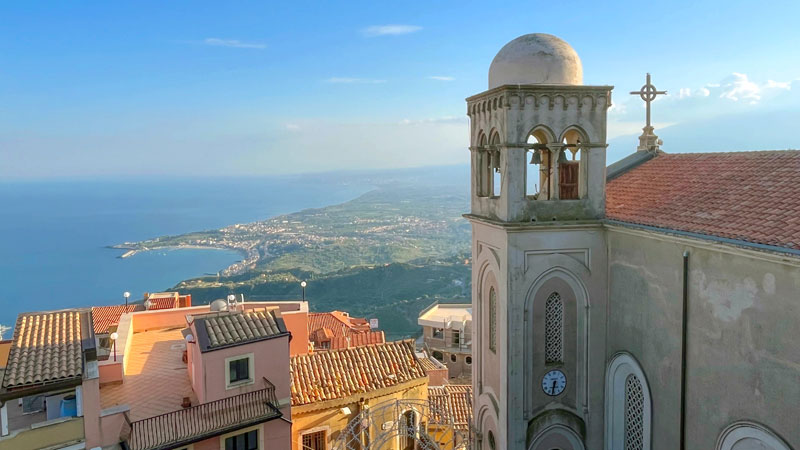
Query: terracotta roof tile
x=452 y=401
x=162 y=303
x=240 y=327
x=46 y=347
x=746 y=196
x=341 y=373
x=358 y=339
x=104 y=317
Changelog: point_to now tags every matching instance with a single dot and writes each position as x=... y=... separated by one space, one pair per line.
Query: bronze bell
x=536 y=157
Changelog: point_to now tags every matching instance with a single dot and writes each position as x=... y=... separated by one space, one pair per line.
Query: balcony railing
x=203 y=421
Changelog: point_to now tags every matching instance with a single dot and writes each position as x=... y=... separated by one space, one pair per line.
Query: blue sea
x=53 y=235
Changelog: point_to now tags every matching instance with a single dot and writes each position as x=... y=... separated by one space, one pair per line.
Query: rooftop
x=357 y=339
x=339 y=374
x=454 y=401
x=225 y=329
x=46 y=347
x=156 y=379
x=106 y=317
x=752 y=197
x=445 y=315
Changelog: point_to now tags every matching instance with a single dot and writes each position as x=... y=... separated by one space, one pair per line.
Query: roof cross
x=648 y=93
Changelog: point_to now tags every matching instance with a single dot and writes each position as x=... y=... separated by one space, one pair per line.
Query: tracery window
x=634 y=413
x=492 y=320
x=554 y=329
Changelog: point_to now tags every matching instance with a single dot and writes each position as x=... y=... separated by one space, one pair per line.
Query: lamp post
x=114 y=337
x=303 y=285
x=127 y=296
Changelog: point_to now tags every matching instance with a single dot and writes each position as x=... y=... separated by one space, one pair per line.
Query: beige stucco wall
x=60 y=432
x=743 y=352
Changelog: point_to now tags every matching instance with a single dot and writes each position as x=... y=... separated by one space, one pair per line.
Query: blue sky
x=221 y=88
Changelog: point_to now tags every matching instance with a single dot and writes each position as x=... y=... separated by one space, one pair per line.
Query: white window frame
x=258 y=427
x=622 y=365
x=250 y=367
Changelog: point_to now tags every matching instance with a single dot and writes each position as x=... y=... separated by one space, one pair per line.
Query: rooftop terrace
x=156 y=379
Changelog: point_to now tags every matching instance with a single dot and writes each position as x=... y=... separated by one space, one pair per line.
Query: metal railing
x=205 y=420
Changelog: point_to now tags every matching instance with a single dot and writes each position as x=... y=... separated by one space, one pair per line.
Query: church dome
x=536 y=58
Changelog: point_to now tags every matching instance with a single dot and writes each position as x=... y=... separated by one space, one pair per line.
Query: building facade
x=580 y=277
x=447 y=336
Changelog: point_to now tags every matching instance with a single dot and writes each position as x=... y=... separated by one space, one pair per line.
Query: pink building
x=177 y=378
x=201 y=378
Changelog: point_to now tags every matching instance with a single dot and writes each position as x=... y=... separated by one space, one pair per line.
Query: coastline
x=230 y=270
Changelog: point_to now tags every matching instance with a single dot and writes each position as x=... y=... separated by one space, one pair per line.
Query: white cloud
x=389 y=30
x=435 y=120
x=688 y=92
x=233 y=43
x=778 y=85
x=348 y=80
x=739 y=87
x=440 y=78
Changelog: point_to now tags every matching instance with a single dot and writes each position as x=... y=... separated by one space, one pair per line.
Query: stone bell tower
x=538 y=149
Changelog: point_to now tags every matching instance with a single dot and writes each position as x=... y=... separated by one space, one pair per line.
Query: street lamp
x=303 y=285
x=127 y=295
x=114 y=337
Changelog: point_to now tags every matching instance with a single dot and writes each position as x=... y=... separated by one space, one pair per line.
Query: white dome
x=218 y=305
x=536 y=59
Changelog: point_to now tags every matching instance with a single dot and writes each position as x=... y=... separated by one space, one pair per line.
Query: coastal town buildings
x=447 y=336
x=648 y=305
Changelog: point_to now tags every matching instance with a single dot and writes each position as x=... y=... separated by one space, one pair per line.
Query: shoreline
x=225 y=271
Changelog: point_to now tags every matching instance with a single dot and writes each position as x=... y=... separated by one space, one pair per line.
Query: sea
x=54 y=235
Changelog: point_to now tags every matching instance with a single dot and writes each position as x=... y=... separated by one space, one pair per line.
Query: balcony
x=203 y=421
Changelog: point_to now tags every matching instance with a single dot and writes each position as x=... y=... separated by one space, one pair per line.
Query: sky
x=125 y=89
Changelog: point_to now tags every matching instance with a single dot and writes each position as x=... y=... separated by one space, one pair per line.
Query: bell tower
x=538 y=161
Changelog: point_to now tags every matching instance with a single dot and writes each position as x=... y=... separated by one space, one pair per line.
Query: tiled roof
x=341 y=373
x=233 y=328
x=428 y=364
x=104 y=317
x=336 y=321
x=452 y=401
x=46 y=347
x=357 y=339
x=746 y=196
x=163 y=303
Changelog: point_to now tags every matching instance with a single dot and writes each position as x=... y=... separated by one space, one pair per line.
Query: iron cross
x=648 y=94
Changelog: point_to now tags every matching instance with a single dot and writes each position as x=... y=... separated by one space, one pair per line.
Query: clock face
x=554 y=382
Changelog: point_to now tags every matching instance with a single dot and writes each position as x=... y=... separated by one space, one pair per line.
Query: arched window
x=537 y=174
x=494 y=162
x=628 y=405
x=554 y=329
x=634 y=413
x=492 y=320
x=570 y=170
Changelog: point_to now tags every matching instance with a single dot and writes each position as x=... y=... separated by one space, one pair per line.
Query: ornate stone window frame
x=619 y=368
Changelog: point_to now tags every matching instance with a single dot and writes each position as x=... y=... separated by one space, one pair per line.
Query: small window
x=32 y=404
x=314 y=441
x=244 y=441
x=239 y=370
x=492 y=320
x=456 y=338
x=553 y=329
x=438 y=333
x=453 y=358
x=438 y=355
x=468 y=360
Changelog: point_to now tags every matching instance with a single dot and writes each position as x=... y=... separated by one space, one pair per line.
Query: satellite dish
x=219 y=305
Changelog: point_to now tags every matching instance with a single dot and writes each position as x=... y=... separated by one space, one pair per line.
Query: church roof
x=745 y=196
